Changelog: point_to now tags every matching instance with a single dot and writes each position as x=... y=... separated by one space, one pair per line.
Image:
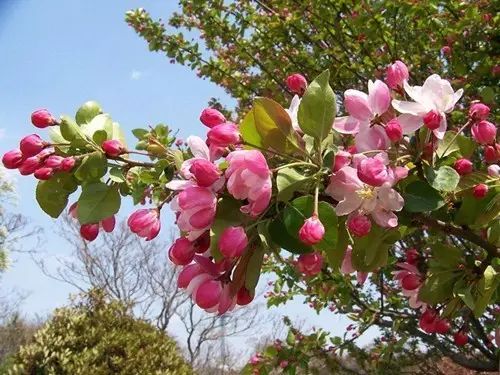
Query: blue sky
x=57 y=54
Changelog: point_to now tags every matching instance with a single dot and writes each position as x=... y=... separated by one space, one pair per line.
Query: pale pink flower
x=362 y=109
x=293 y=112
x=248 y=177
x=405 y=277
x=436 y=94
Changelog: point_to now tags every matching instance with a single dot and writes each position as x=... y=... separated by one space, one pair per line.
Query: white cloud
x=136 y=75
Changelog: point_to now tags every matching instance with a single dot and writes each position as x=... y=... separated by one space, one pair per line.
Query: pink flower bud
x=460 y=338
x=412 y=256
x=53 y=161
x=243 y=297
x=432 y=120
x=30 y=165
x=44 y=173
x=491 y=154
x=342 y=158
x=446 y=50
x=181 y=252
x=284 y=364
x=479 y=191
x=145 y=223
x=113 y=147
x=233 y=242
x=484 y=132
x=312 y=231
x=45 y=153
x=89 y=231
x=208 y=294
x=359 y=225
x=494 y=170
x=297 y=83
x=187 y=274
x=372 y=171
x=479 y=111
x=12 y=159
x=427 y=321
x=393 y=130
x=224 y=135
x=205 y=172
x=411 y=282
x=31 y=145
x=442 y=326
x=68 y=164
x=42 y=118
x=463 y=166
x=397 y=73
x=108 y=224
x=310 y=264
x=211 y=117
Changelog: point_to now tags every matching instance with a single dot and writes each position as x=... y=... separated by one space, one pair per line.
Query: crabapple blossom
x=108 y=224
x=297 y=83
x=181 y=252
x=30 y=165
x=233 y=242
x=410 y=279
x=312 y=231
x=42 y=118
x=44 y=173
x=224 y=135
x=372 y=171
x=145 y=223
x=480 y=190
x=53 y=161
x=479 y=111
x=492 y=153
x=12 y=159
x=89 y=231
x=397 y=73
x=393 y=130
x=293 y=112
x=463 y=166
x=208 y=294
x=113 y=147
x=204 y=172
x=341 y=159
x=494 y=170
x=31 y=145
x=411 y=256
x=359 y=225
x=310 y=264
x=484 y=132
x=68 y=164
x=460 y=338
x=243 y=297
x=211 y=117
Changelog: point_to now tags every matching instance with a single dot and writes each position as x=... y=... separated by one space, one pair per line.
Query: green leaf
x=87 y=112
x=336 y=256
x=371 y=251
x=317 y=108
x=421 y=197
x=446 y=256
x=438 y=287
x=249 y=132
x=98 y=201
x=52 y=195
x=178 y=159
x=116 y=175
x=274 y=126
x=444 y=179
x=71 y=132
x=288 y=182
x=486 y=287
x=139 y=133
x=479 y=212
x=281 y=237
x=99 y=136
x=253 y=269
x=93 y=167
x=455 y=143
x=464 y=291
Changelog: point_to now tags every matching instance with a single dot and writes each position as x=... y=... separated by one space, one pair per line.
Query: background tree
x=99 y=336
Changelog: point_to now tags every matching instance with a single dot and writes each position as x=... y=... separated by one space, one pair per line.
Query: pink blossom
x=479 y=111
x=297 y=83
x=347 y=267
x=233 y=242
x=244 y=297
x=204 y=172
x=113 y=147
x=145 y=223
x=30 y=165
x=393 y=130
x=181 y=252
x=12 y=159
x=362 y=110
x=208 y=294
x=108 y=224
x=211 y=117
x=42 y=118
x=397 y=73
x=432 y=119
x=224 y=135
x=249 y=177
x=479 y=191
x=89 y=231
x=359 y=225
x=293 y=112
x=312 y=231
x=341 y=159
x=492 y=153
x=484 y=132
x=463 y=166
x=435 y=95
x=31 y=145
x=310 y=264
x=494 y=170
x=410 y=279
x=373 y=171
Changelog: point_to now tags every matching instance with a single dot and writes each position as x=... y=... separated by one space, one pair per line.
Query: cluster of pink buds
x=36 y=156
x=484 y=132
x=431 y=322
x=90 y=232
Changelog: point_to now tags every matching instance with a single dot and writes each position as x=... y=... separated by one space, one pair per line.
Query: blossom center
x=367 y=192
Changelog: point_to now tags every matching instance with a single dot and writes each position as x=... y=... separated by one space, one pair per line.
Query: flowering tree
x=395 y=192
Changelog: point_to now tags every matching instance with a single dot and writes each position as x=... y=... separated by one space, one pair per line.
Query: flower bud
x=145 y=223
x=479 y=191
x=411 y=256
x=310 y=264
x=460 y=338
x=483 y=132
x=233 y=242
x=89 y=231
x=342 y=158
x=410 y=282
x=372 y=171
x=243 y=297
x=490 y=154
x=397 y=73
x=393 y=130
x=205 y=172
x=108 y=224
x=113 y=147
x=442 y=326
x=44 y=173
x=208 y=294
x=68 y=164
x=432 y=120
x=53 y=161
x=297 y=83
x=42 y=118
x=427 y=321
x=31 y=145
x=479 y=111
x=12 y=159
x=359 y=225
x=187 y=274
x=446 y=50
x=494 y=170
x=312 y=231
x=30 y=165
x=463 y=166
x=211 y=117
x=224 y=135
x=181 y=252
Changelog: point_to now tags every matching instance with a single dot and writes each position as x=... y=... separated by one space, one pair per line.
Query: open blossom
x=378 y=201
x=145 y=223
x=249 y=177
x=293 y=112
x=397 y=73
x=362 y=109
x=410 y=280
x=312 y=231
x=435 y=97
x=347 y=268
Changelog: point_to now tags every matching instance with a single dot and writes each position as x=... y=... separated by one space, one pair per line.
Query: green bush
x=96 y=336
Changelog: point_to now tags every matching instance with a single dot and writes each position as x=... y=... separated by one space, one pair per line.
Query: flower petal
x=412 y=108
x=198 y=147
x=410 y=123
x=439 y=132
x=346 y=125
x=373 y=138
x=453 y=100
x=379 y=96
x=356 y=103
